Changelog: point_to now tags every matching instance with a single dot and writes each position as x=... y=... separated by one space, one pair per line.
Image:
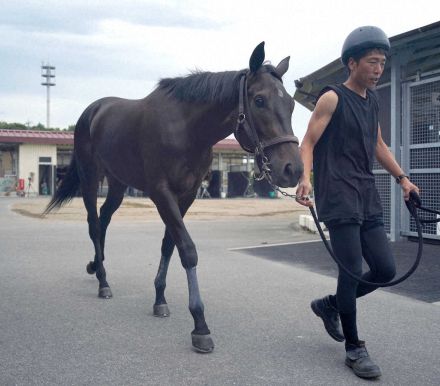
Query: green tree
x=40 y=127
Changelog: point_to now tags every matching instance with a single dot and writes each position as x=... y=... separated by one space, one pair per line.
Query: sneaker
x=330 y=316
x=360 y=362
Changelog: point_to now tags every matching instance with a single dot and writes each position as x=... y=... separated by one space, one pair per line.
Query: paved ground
x=422 y=285
x=54 y=330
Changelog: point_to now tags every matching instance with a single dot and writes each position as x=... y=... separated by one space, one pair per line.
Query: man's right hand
x=302 y=192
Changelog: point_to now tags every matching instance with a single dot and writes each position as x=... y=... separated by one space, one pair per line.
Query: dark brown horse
x=162 y=145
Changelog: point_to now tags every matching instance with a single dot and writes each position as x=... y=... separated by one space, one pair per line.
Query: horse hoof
x=90 y=269
x=161 y=310
x=202 y=343
x=105 y=293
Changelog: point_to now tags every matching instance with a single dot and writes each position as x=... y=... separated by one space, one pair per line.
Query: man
x=342 y=138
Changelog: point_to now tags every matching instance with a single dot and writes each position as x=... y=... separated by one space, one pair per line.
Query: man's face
x=369 y=69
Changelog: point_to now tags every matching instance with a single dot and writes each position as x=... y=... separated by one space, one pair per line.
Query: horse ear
x=257 y=57
x=282 y=67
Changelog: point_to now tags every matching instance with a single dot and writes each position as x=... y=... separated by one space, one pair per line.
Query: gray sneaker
x=360 y=362
x=330 y=316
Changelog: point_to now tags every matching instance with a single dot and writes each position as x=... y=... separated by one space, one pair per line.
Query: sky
x=122 y=48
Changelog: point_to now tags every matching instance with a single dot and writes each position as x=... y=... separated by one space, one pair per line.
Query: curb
x=306 y=222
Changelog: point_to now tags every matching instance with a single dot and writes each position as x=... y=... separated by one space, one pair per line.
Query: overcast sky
x=122 y=48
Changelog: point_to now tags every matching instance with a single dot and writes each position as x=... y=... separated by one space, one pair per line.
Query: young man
x=342 y=139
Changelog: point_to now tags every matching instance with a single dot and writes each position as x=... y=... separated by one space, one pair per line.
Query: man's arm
x=389 y=163
x=319 y=120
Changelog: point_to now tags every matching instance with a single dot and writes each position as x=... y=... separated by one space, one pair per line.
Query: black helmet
x=362 y=38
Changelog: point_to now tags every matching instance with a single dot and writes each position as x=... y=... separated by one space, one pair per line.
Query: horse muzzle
x=289 y=176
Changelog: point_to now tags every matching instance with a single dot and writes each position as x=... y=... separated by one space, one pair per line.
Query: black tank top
x=343 y=158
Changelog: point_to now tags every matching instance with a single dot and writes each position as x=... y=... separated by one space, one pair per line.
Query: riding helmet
x=362 y=38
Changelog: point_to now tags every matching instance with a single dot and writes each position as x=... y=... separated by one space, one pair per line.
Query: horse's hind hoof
x=202 y=343
x=90 y=269
x=105 y=293
x=161 y=310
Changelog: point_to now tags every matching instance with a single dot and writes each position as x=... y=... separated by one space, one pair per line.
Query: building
x=409 y=94
x=31 y=162
x=28 y=160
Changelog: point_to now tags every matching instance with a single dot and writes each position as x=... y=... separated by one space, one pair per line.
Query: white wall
x=28 y=161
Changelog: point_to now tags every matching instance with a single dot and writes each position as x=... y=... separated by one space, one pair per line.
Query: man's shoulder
x=328 y=99
x=334 y=88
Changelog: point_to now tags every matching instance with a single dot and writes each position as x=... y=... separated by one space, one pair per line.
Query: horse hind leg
x=88 y=173
x=112 y=202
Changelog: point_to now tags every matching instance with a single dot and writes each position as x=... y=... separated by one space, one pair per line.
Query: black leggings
x=351 y=242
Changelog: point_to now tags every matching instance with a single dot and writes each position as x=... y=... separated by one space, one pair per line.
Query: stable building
x=409 y=95
x=29 y=160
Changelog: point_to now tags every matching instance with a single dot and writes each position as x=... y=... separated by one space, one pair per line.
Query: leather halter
x=246 y=124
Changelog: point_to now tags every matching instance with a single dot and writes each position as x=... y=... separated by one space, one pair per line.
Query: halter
x=246 y=124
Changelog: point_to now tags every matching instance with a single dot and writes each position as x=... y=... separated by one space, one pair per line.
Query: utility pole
x=48 y=73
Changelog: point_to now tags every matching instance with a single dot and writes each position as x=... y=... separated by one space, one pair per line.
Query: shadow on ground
x=422 y=285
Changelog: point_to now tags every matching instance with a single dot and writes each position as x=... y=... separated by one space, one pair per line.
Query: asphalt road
x=54 y=330
x=423 y=284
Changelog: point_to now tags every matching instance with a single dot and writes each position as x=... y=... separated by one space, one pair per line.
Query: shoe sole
x=316 y=311
x=367 y=374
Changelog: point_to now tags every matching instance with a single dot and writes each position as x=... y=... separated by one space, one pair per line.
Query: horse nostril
x=292 y=173
x=288 y=170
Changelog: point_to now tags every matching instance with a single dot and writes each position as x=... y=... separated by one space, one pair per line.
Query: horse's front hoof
x=105 y=293
x=90 y=269
x=202 y=343
x=161 y=310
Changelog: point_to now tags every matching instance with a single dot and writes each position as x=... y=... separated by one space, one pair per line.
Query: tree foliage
x=40 y=127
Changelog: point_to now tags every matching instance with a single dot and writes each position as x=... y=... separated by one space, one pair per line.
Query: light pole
x=48 y=73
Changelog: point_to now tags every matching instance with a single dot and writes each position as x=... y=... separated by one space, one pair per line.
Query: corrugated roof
x=38 y=137
x=66 y=138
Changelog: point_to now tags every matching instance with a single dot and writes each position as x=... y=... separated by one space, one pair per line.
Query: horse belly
x=126 y=170
x=120 y=158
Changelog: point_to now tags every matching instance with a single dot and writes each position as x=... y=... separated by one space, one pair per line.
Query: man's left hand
x=407 y=187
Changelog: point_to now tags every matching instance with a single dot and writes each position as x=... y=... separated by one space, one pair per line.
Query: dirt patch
x=142 y=209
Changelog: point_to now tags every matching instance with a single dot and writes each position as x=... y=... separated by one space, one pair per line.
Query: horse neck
x=214 y=123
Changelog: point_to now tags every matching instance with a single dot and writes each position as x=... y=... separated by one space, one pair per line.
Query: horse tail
x=67 y=190
x=70 y=184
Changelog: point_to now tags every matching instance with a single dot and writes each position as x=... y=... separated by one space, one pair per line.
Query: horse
x=162 y=145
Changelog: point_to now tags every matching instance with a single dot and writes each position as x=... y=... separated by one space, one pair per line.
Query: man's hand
x=407 y=186
x=302 y=192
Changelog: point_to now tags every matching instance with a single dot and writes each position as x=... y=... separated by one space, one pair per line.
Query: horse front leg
x=172 y=216
x=160 y=307
x=200 y=336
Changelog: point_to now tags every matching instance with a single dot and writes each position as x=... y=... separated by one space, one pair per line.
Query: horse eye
x=259 y=101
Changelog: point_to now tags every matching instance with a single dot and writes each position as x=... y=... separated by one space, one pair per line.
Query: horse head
x=265 y=120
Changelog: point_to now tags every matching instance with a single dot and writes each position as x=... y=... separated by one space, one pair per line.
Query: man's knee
x=387 y=273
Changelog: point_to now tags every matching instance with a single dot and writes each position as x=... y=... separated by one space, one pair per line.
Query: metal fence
x=421 y=147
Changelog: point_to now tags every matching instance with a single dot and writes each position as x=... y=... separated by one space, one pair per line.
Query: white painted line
x=436 y=303
x=275 y=245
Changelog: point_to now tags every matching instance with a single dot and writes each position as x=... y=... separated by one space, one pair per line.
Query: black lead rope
x=412 y=204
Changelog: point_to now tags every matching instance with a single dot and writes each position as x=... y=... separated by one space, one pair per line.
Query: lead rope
x=359 y=279
x=412 y=204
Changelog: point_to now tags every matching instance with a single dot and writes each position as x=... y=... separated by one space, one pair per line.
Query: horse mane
x=201 y=86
